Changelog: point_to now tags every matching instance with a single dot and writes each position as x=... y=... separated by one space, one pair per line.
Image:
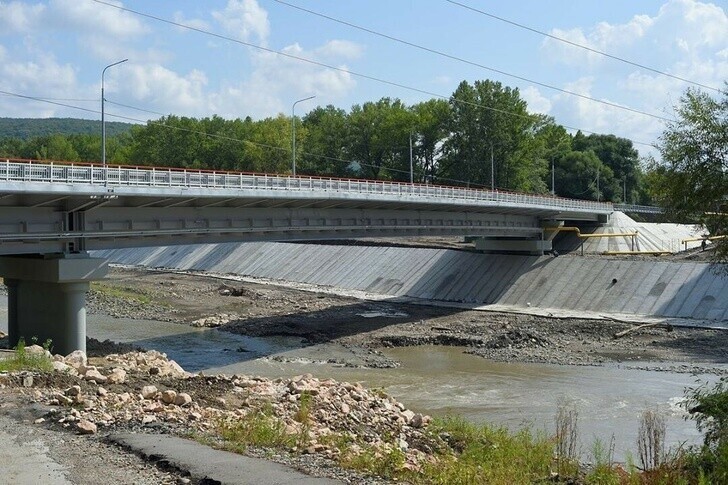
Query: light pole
x=293 y=131
x=103 y=121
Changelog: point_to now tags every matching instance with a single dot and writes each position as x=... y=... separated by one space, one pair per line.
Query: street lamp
x=293 y=131
x=103 y=121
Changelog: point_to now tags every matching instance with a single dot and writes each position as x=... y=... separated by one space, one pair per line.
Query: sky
x=257 y=57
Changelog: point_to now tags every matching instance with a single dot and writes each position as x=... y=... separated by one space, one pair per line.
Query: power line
x=215 y=135
x=581 y=46
x=341 y=69
x=471 y=63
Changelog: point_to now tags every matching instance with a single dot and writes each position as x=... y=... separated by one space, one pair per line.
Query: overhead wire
x=472 y=63
x=581 y=46
x=223 y=137
x=341 y=69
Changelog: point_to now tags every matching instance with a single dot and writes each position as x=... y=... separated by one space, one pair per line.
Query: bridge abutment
x=47 y=297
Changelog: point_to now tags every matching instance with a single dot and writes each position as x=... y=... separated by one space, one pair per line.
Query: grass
x=259 y=428
x=124 y=293
x=466 y=453
x=22 y=360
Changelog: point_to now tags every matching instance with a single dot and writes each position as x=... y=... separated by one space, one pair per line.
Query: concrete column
x=12 y=286
x=47 y=298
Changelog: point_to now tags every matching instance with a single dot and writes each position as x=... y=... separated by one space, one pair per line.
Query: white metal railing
x=645 y=209
x=52 y=172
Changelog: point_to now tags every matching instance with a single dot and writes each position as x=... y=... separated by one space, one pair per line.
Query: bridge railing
x=644 y=209
x=51 y=172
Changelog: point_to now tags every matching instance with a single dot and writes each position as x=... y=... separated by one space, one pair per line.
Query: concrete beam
x=509 y=245
x=47 y=298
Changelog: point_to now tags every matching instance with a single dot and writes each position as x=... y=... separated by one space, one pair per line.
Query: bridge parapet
x=120 y=177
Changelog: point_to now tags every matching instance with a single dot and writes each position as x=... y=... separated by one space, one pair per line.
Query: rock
x=148 y=419
x=148 y=392
x=182 y=399
x=59 y=366
x=124 y=397
x=73 y=391
x=94 y=375
x=37 y=350
x=345 y=408
x=102 y=392
x=169 y=396
x=76 y=358
x=27 y=381
x=417 y=421
x=408 y=415
x=117 y=376
x=86 y=427
x=39 y=421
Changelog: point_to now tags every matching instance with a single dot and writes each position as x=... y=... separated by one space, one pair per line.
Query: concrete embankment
x=615 y=286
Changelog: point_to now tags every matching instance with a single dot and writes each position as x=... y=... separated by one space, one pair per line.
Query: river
x=438 y=380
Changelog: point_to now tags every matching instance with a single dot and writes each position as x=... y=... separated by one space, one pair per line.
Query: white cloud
x=244 y=19
x=19 y=17
x=92 y=18
x=601 y=118
x=684 y=25
x=537 y=103
x=343 y=49
x=162 y=88
x=195 y=23
x=68 y=15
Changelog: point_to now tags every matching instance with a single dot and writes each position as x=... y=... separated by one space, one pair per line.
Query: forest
x=482 y=136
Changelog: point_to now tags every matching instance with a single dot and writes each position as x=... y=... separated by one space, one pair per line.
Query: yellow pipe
x=709 y=238
x=584 y=236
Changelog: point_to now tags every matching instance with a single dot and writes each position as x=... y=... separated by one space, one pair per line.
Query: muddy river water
x=438 y=380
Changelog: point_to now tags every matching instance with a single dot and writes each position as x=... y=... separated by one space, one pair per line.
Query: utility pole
x=598 y=194
x=293 y=133
x=492 y=169
x=412 y=171
x=625 y=189
x=553 y=178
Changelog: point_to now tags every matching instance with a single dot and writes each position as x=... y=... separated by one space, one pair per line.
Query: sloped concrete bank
x=615 y=286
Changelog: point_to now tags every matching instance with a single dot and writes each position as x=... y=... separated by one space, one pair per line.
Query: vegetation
x=21 y=359
x=27 y=128
x=468 y=453
x=483 y=135
x=691 y=180
x=122 y=293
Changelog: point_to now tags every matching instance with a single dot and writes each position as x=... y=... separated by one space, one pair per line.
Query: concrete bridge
x=51 y=214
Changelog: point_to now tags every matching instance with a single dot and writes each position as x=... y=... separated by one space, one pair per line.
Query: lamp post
x=103 y=121
x=293 y=131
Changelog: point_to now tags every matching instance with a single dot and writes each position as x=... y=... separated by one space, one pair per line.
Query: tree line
x=482 y=136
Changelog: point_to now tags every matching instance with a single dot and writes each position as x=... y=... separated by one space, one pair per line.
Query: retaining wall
x=644 y=287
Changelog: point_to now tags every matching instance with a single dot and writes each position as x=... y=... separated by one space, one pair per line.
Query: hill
x=25 y=128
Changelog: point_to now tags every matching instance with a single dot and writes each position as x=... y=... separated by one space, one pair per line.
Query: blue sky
x=57 y=49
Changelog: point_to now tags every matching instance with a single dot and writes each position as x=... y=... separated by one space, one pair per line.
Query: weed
x=23 y=360
x=258 y=428
x=567 y=436
x=651 y=440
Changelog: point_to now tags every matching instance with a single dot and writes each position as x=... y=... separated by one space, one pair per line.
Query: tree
x=619 y=155
x=379 y=138
x=693 y=183
x=488 y=121
x=325 y=150
x=431 y=120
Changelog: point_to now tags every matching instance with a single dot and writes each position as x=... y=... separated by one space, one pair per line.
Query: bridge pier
x=47 y=297
x=535 y=247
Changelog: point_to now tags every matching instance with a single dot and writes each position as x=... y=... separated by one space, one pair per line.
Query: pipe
x=581 y=236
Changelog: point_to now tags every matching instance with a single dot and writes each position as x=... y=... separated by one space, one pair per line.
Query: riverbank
x=304 y=320
x=365 y=327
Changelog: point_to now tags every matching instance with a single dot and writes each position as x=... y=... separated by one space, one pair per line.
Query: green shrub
x=22 y=360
